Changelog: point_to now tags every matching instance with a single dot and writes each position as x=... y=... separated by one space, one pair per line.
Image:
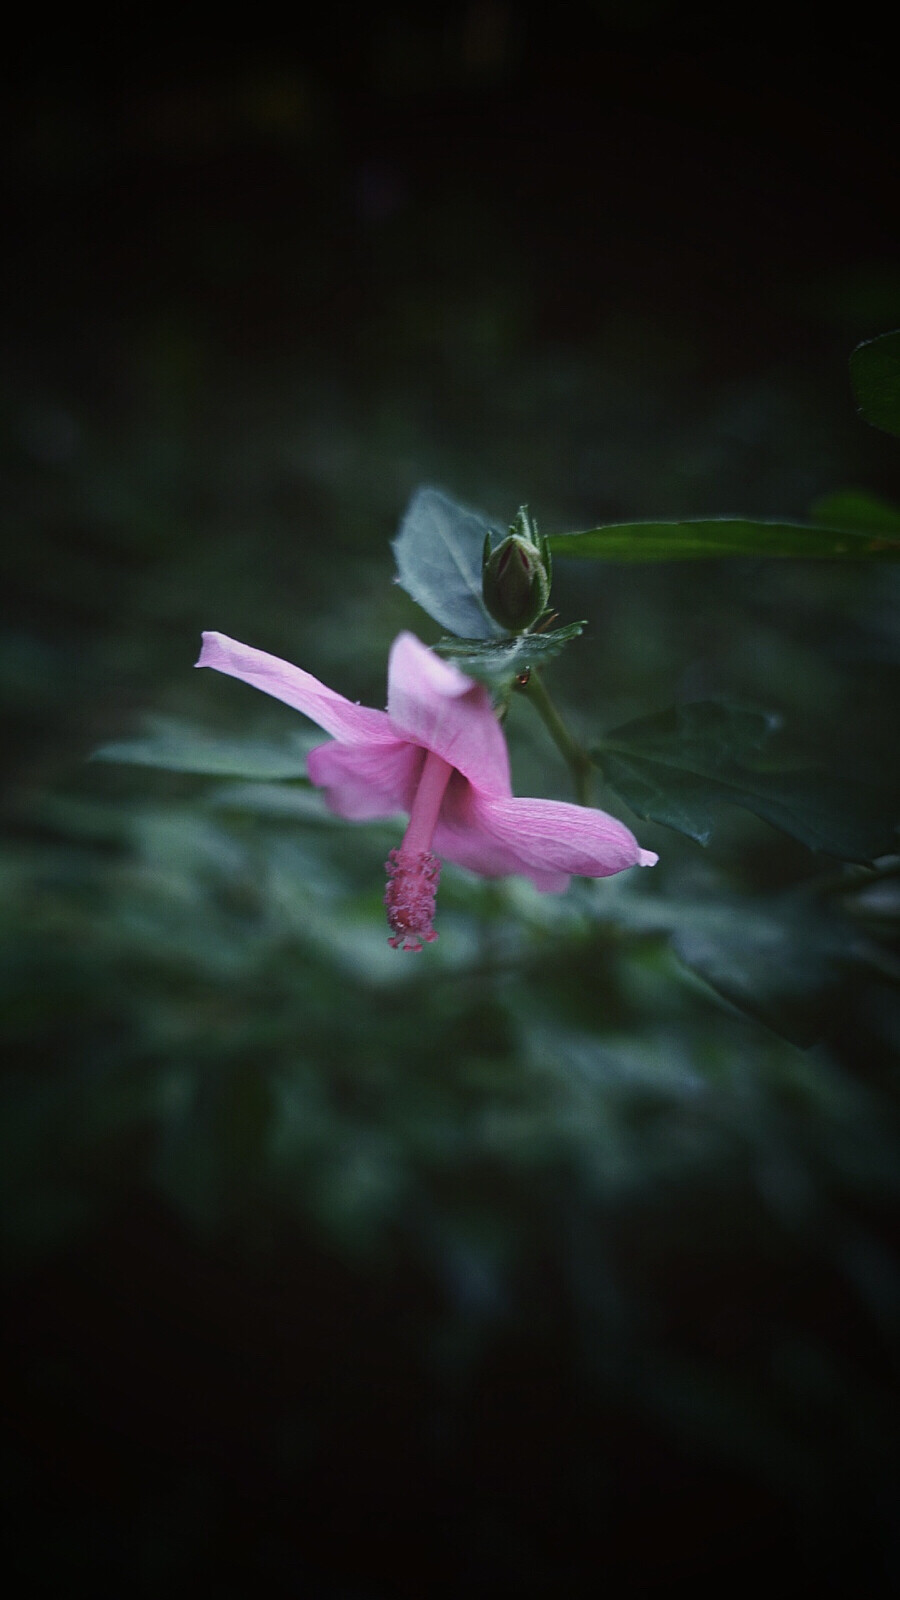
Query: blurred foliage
x=551 y=1248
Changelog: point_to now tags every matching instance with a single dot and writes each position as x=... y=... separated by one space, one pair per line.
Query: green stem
x=577 y=759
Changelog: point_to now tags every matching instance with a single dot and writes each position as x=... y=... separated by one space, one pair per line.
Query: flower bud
x=515 y=578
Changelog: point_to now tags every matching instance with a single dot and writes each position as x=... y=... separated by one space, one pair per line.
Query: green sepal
x=498 y=662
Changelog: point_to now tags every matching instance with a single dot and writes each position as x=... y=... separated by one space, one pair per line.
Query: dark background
x=537 y=1270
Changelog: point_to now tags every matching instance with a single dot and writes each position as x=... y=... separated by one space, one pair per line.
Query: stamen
x=410 y=896
x=413 y=872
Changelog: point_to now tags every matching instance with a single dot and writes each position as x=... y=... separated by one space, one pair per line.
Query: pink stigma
x=413 y=872
x=410 y=895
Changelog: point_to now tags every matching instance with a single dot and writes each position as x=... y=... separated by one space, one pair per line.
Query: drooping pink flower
x=438 y=753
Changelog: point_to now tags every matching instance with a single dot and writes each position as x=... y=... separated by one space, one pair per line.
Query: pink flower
x=438 y=752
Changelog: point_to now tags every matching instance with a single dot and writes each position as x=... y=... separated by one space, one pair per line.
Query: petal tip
x=208 y=644
x=647 y=858
x=412 y=666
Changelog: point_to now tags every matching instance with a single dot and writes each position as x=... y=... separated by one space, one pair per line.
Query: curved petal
x=296 y=688
x=490 y=859
x=362 y=781
x=460 y=839
x=547 y=841
x=436 y=705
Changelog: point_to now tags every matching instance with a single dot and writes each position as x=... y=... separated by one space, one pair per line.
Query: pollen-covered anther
x=413 y=877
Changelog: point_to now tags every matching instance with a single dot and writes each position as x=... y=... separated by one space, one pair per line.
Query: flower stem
x=577 y=759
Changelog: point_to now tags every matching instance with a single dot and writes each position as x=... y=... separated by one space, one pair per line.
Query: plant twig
x=577 y=759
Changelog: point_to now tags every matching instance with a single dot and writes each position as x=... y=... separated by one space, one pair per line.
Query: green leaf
x=681 y=766
x=713 y=537
x=178 y=746
x=772 y=958
x=439 y=554
x=875 y=376
x=497 y=662
x=858 y=511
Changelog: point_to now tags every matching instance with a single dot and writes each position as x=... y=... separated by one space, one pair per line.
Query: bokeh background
x=531 y=1264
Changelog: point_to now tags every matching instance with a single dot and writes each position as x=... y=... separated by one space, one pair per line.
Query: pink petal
x=545 y=840
x=366 y=780
x=296 y=688
x=459 y=837
x=489 y=858
x=436 y=705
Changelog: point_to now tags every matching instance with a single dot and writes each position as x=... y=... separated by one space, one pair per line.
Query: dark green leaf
x=680 y=766
x=179 y=747
x=439 y=552
x=774 y=959
x=721 y=536
x=875 y=376
x=497 y=662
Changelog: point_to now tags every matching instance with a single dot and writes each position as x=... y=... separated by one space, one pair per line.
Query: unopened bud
x=515 y=578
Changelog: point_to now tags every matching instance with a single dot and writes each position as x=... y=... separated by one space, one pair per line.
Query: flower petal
x=545 y=840
x=362 y=781
x=437 y=706
x=296 y=688
x=459 y=838
x=489 y=858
